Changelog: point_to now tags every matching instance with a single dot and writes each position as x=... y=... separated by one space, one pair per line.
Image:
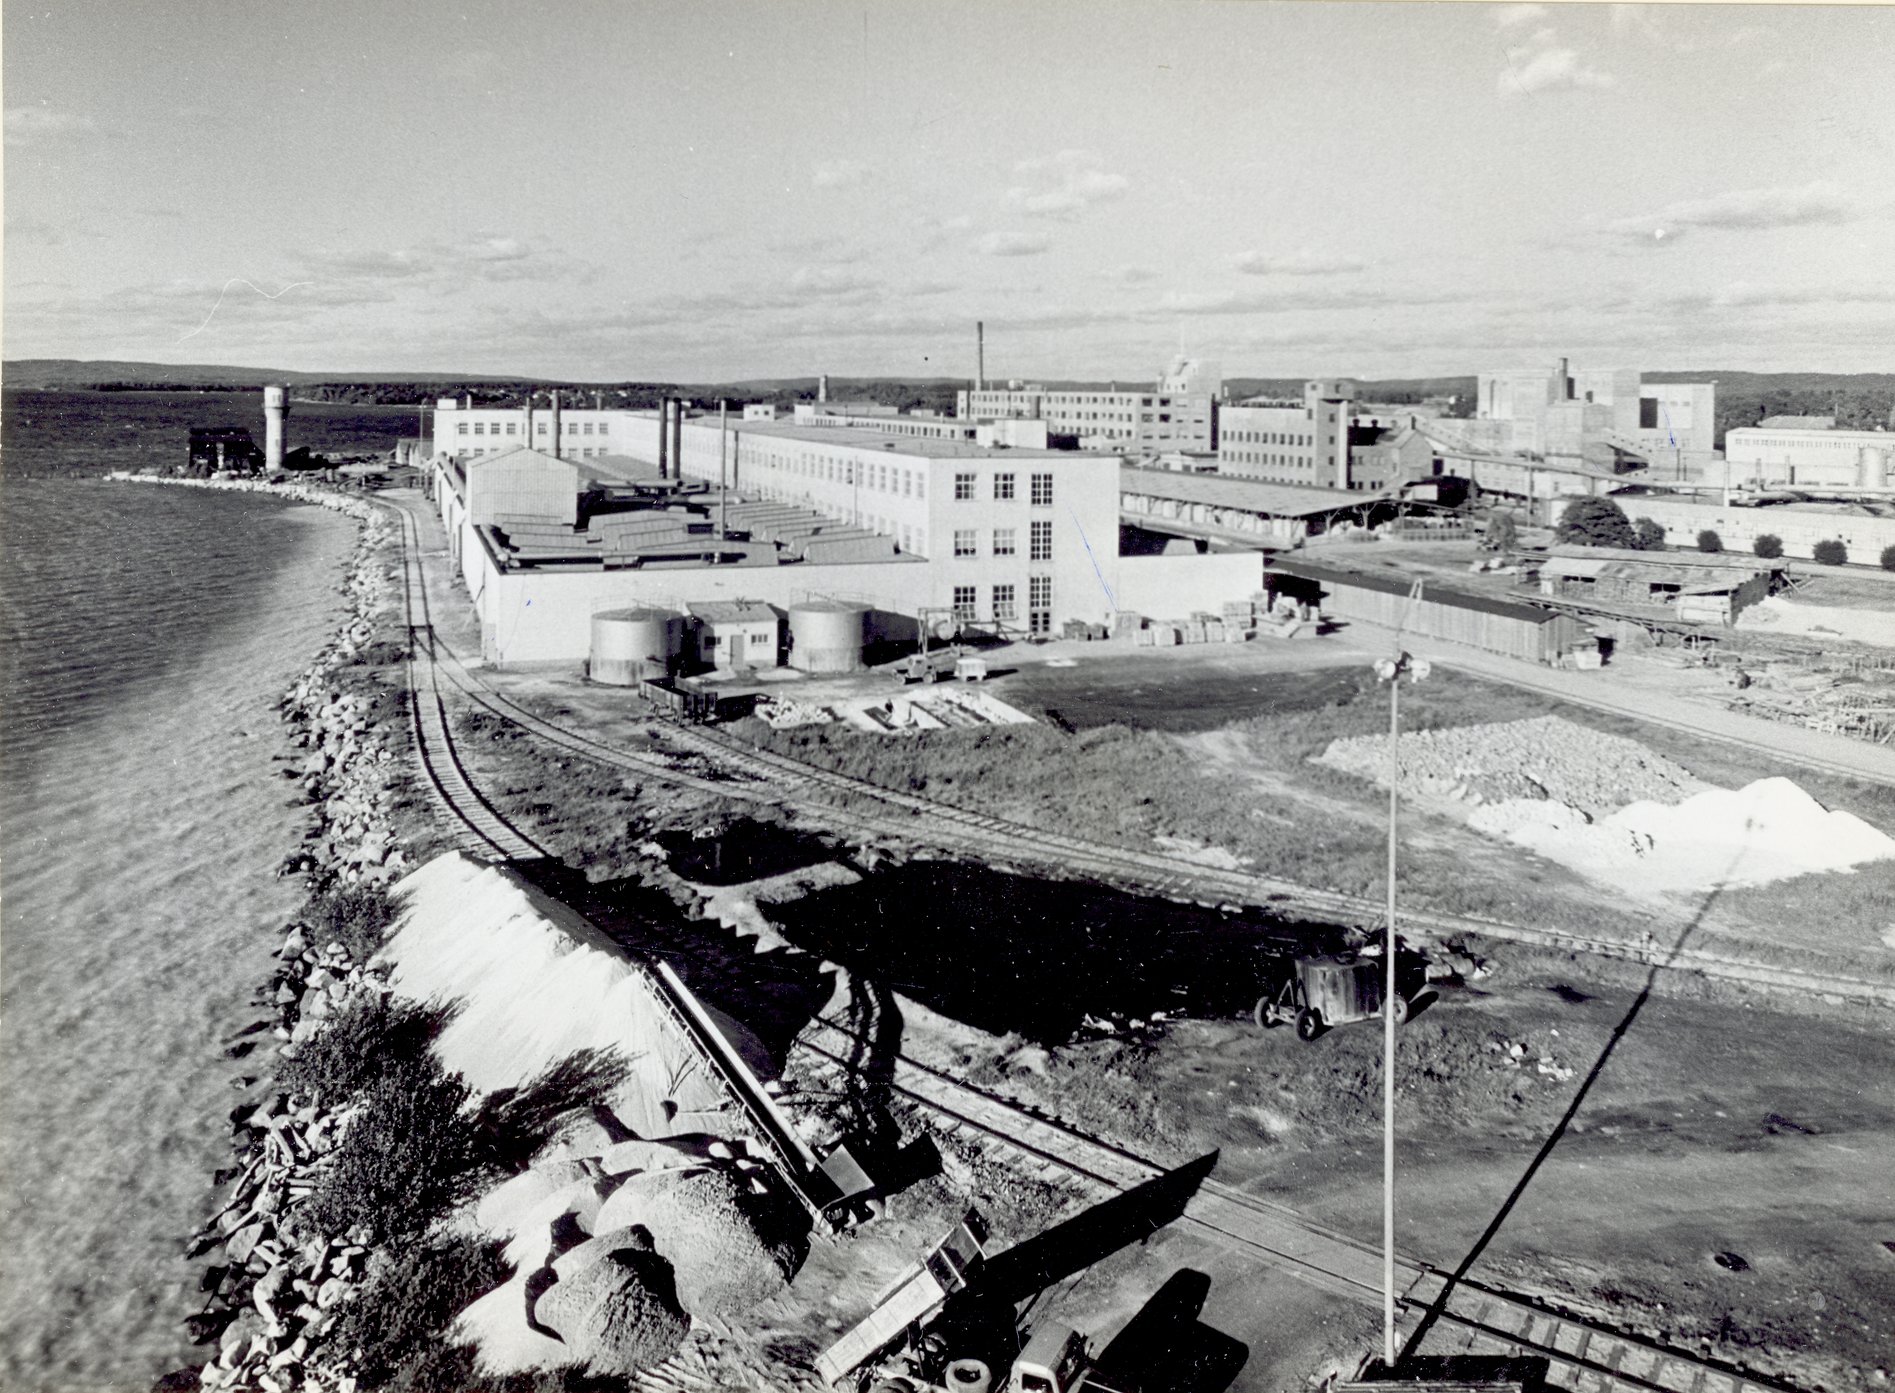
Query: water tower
x=276 y=408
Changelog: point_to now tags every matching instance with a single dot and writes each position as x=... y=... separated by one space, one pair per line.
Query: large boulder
x=618 y=1314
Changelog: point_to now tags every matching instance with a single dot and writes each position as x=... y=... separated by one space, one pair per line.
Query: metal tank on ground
x=827 y=636
x=629 y=645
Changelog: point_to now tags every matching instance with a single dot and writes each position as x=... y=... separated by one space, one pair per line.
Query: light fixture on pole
x=1392 y=671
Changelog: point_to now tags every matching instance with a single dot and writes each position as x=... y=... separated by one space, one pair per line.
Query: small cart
x=1334 y=989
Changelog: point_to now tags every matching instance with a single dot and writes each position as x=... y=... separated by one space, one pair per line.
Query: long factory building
x=912 y=529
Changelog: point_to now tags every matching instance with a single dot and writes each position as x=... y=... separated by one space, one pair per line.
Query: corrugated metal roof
x=1248 y=495
x=1390 y=584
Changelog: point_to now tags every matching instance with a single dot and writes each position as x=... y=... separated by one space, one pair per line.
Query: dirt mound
x=1545 y=758
x=618 y=1314
x=731 y=1248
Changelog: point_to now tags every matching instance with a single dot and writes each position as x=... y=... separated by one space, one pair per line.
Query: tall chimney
x=980 y=355
x=822 y=388
x=723 y=483
x=677 y=439
x=276 y=408
x=529 y=420
x=664 y=436
x=559 y=447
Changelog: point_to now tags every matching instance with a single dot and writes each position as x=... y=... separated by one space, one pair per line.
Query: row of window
x=1004 y=603
x=1266 y=437
x=967 y=488
x=882 y=478
x=1005 y=543
x=513 y=428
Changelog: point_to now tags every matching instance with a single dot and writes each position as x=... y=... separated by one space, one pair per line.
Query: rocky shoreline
x=273 y=1294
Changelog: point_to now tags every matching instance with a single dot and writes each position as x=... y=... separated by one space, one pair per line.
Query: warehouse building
x=991 y=538
x=1695 y=587
x=1530 y=632
x=1809 y=452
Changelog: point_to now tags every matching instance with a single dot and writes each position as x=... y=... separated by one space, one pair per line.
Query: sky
x=718 y=191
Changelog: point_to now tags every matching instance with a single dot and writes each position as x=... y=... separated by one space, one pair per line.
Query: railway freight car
x=1513 y=627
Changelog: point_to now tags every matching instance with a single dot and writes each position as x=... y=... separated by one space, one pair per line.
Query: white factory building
x=1593 y=414
x=1808 y=451
x=1179 y=413
x=990 y=536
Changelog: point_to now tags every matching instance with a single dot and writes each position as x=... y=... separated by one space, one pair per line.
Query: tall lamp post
x=1392 y=671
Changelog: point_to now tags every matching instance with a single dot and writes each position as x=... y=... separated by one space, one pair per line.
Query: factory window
x=1039 y=592
x=1042 y=490
x=1004 y=545
x=1040 y=542
x=509 y=428
x=480 y=428
x=460 y=428
x=1003 y=488
x=966 y=542
x=963 y=487
x=572 y=428
x=907 y=484
x=966 y=606
x=1003 y=602
x=539 y=428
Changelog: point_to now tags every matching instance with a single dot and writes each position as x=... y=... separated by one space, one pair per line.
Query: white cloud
x=1295 y=264
x=1543 y=67
x=1513 y=16
x=39 y=125
x=837 y=174
x=1064 y=184
x=1132 y=275
x=1742 y=210
x=1012 y=244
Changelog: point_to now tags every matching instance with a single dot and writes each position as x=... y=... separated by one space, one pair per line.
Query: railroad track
x=1583 y=1356
x=741 y=770
x=1476 y=1317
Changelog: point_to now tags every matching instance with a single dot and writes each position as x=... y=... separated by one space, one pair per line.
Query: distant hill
x=79 y=372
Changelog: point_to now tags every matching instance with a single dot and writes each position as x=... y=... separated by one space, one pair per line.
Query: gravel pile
x=731 y=1248
x=1544 y=758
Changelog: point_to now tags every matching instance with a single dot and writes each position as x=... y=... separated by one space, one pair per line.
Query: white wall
x=1171 y=587
x=1737 y=528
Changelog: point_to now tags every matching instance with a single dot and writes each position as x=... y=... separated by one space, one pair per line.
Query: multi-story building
x=1179 y=413
x=469 y=431
x=1321 y=444
x=1559 y=413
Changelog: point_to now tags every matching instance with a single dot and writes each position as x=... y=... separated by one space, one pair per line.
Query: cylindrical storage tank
x=629 y=645
x=1872 y=467
x=827 y=636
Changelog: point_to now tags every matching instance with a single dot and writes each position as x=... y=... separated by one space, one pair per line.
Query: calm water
x=145 y=634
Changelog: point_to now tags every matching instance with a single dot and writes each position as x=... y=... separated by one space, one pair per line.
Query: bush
x=1648 y=535
x=1503 y=533
x=1595 y=522
x=1709 y=541
x=1888 y=558
x=1830 y=553
x=368 y=1036
x=398 y=1318
x=356 y=916
x=1769 y=546
x=409 y=1154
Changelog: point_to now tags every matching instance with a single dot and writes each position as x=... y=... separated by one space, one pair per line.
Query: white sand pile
x=1544 y=758
x=1766 y=831
x=534 y=984
x=1778 y=615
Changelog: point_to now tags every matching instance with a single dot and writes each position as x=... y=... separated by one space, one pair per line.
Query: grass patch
x=356 y=916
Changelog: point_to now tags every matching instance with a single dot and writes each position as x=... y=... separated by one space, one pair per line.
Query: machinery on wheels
x=1332 y=989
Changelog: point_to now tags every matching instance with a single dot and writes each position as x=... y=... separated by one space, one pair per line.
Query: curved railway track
x=1584 y=1356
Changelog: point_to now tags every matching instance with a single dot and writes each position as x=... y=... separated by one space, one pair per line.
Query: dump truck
x=914 y=1296
x=1330 y=989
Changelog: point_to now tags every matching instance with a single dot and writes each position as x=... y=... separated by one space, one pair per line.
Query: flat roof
x=891 y=442
x=1229 y=491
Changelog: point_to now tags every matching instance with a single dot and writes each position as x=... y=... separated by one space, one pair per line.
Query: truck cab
x=1054 y=1360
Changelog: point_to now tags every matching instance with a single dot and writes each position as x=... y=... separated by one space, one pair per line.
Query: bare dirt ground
x=1664 y=1130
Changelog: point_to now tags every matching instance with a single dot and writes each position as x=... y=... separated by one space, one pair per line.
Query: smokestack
x=276 y=409
x=980 y=355
x=664 y=436
x=529 y=420
x=559 y=448
x=723 y=483
x=1565 y=382
x=822 y=388
x=677 y=439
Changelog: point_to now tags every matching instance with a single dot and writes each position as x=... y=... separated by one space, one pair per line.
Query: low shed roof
x=1246 y=495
